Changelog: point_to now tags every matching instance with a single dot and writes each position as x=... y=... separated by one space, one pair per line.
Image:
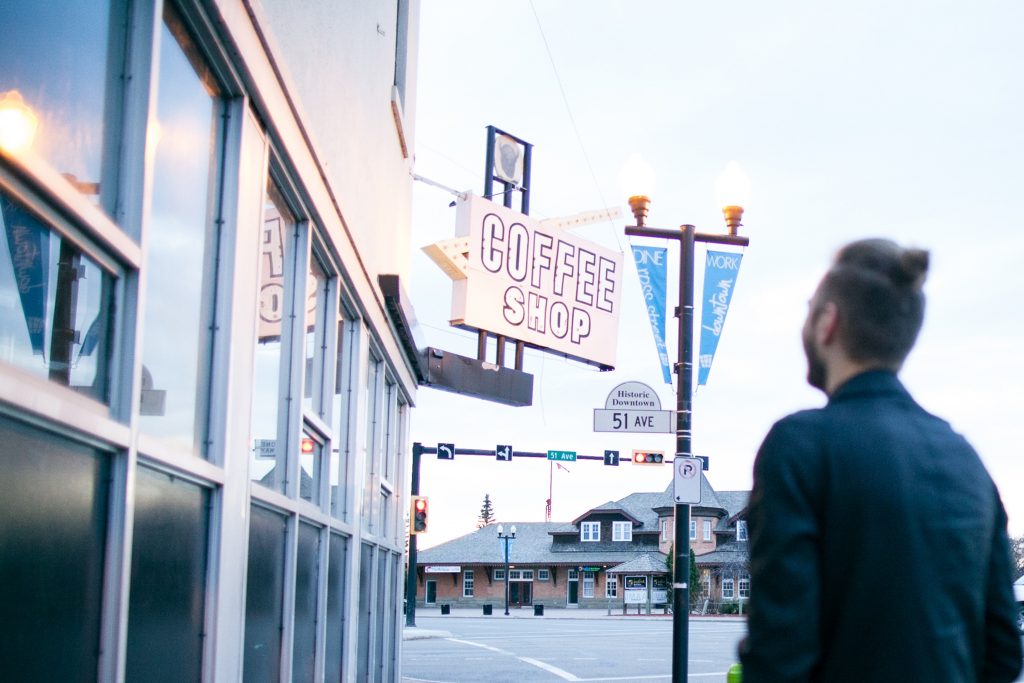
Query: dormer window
x=741 y=531
x=590 y=531
x=622 y=531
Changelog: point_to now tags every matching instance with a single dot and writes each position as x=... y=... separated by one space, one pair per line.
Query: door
x=520 y=593
x=574 y=588
x=431 y=592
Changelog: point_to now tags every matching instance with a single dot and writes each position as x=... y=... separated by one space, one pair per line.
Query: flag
x=653 y=271
x=720 y=273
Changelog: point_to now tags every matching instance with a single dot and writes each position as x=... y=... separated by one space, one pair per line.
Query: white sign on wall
x=550 y=289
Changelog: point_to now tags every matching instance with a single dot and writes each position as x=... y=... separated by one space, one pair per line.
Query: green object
x=735 y=674
x=564 y=456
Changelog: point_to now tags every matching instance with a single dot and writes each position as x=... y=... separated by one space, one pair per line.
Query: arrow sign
x=445 y=451
x=611 y=458
x=503 y=453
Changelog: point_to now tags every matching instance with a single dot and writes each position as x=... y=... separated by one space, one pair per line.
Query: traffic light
x=418 y=515
x=648 y=458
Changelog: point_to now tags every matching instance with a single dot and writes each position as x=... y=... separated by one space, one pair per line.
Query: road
x=497 y=650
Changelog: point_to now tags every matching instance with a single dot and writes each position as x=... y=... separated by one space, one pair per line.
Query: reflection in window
x=310 y=453
x=374 y=377
x=276 y=246
x=343 y=391
x=168 y=580
x=56 y=304
x=179 y=238
x=57 y=59
x=316 y=310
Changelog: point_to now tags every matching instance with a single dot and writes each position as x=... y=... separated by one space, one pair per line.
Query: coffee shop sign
x=548 y=288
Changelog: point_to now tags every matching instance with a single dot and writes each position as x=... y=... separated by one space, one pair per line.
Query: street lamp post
x=506 y=538
x=687 y=236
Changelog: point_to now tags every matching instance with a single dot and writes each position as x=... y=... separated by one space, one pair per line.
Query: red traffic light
x=418 y=515
x=648 y=458
x=306 y=446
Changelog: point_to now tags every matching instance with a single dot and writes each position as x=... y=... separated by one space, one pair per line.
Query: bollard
x=735 y=674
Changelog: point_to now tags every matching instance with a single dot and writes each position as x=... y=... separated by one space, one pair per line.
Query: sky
x=852 y=120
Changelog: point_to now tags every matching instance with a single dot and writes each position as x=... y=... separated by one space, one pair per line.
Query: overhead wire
x=572 y=120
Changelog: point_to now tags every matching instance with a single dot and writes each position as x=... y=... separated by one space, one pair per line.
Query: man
x=878 y=546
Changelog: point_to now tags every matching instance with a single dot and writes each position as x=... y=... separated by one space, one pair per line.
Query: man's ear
x=826 y=328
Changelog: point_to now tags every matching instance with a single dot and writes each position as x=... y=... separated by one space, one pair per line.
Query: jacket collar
x=870 y=382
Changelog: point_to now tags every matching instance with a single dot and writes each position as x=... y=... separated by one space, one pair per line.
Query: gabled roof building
x=614 y=555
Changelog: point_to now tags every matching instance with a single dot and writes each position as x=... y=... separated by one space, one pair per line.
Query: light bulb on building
x=18 y=123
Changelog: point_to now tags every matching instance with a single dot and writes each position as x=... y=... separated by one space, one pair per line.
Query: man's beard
x=816 y=372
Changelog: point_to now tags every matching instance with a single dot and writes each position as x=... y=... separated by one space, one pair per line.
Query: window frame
x=741 y=531
x=728 y=589
x=611 y=586
x=467 y=583
x=706 y=529
x=693 y=530
x=590 y=532
x=622 y=532
x=543 y=575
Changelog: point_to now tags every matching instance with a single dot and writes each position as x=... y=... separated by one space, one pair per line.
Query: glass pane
x=343 y=388
x=267 y=402
x=383 y=608
x=316 y=286
x=306 y=565
x=168 y=585
x=264 y=596
x=53 y=521
x=373 y=442
x=309 y=468
x=57 y=63
x=56 y=304
x=365 y=611
x=338 y=560
x=178 y=239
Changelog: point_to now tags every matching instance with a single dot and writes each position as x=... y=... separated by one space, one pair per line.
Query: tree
x=1017 y=550
x=486 y=513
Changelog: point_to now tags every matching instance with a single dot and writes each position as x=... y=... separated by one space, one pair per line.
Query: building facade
x=203 y=397
x=613 y=556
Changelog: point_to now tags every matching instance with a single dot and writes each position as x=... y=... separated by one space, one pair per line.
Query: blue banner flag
x=651 y=266
x=720 y=272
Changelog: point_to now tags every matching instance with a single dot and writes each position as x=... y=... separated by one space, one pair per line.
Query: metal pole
x=410 y=580
x=684 y=394
x=506 y=575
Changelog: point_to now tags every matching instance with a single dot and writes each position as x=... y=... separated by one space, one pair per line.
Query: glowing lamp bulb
x=307 y=445
x=18 y=123
x=421 y=505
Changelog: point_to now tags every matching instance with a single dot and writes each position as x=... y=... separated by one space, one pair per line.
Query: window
x=574 y=574
x=705 y=581
x=664 y=530
x=588 y=584
x=317 y=305
x=310 y=455
x=499 y=574
x=520 y=575
x=727 y=589
x=543 y=575
x=56 y=304
x=693 y=530
x=264 y=595
x=342 y=413
x=590 y=531
x=306 y=579
x=745 y=586
x=57 y=60
x=168 y=580
x=338 y=549
x=622 y=531
x=707 y=530
x=741 y=530
x=467 y=583
x=611 y=586
x=57 y=611
x=180 y=230
x=277 y=246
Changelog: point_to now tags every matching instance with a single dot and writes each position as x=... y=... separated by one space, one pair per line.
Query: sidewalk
x=418 y=633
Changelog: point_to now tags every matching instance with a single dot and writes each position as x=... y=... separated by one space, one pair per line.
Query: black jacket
x=878 y=549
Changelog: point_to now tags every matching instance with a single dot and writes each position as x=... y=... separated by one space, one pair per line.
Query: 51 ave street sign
x=652 y=421
x=564 y=456
x=633 y=407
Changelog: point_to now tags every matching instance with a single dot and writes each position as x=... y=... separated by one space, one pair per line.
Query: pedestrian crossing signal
x=418 y=515
x=648 y=458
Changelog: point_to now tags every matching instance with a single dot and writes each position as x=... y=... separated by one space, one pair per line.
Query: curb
x=415 y=633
